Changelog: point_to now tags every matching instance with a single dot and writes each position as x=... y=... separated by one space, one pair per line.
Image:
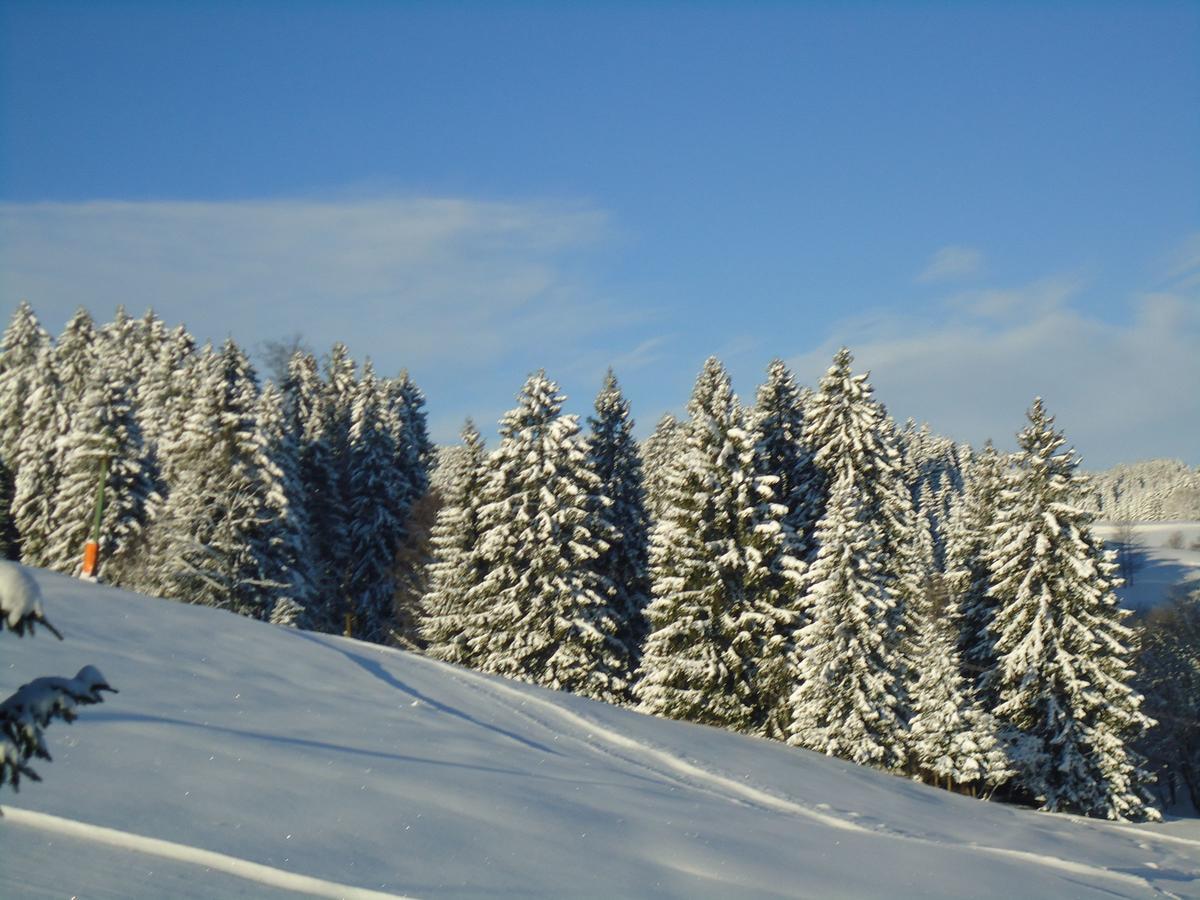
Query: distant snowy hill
x=1152 y=490
x=246 y=760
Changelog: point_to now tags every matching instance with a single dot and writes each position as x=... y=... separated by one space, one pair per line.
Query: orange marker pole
x=91 y=550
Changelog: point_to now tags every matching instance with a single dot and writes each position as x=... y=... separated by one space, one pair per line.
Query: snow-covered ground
x=242 y=759
x=1163 y=568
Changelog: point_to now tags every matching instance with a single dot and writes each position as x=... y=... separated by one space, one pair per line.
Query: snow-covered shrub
x=25 y=715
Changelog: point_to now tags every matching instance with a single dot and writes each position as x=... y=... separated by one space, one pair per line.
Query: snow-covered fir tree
x=540 y=613
x=405 y=417
x=968 y=574
x=75 y=358
x=164 y=385
x=658 y=452
x=309 y=415
x=848 y=699
x=934 y=471
x=122 y=348
x=339 y=389
x=403 y=412
x=205 y=541
x=456 y=568
x=25 y=347
x=37 y=458
x=376 y=498
x=784 y=455
x=9 y=545
x=724 y=576
x=952 y=739
x=21 y=356
x=1062 y=671
x=284 y=534
x=103 y=442
x=1169 y=674
x=870 y=570
x=623 y=567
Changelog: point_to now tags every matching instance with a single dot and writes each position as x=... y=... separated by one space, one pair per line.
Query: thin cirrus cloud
x=413 y=280
x=1183 y=265
x=1121 y=391
x=952 y=263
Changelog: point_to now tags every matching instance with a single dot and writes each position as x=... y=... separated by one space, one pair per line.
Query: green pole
x=100 y=500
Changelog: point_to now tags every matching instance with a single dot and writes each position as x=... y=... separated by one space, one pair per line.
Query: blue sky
x=985 y=202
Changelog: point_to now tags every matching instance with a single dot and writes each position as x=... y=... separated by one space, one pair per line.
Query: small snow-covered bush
x=25 y=715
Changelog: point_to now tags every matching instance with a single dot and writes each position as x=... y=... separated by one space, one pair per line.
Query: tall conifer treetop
x=867 y=579
x=619 y=511
x=541 y=613
x=456 y=567
x=782 y=453
x=1062 y=672
x=724 y=575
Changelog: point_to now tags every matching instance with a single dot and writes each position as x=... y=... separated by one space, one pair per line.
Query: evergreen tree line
x=805 y=570
x=800 y=569
x=285 y=502
x=1153 y=490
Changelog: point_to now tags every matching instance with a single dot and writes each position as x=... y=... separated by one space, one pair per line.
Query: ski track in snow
x=688 y=774
x=231 y=865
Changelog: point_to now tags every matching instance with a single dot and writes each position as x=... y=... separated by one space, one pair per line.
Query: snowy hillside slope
x=277 y=763
x=1163 y=568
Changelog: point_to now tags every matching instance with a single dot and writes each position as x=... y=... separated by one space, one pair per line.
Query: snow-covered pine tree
x=623 y=567
x=339 y=389
x=847 y=702
x=934 y=472
x=376 y=498
x=783 y=454
x=166 y=386
x=121 y=348
x=9 y=546
x=1169 y=673
x=866 y=577
x=1062 y=673
x=658 y=452
x=21 y=355
x=284 y=530
x=25 y=347
x=103 y=439
x=75 y=358
x=309 y=416
x=405 y=417
x=724 y=577
x=205 y=541
x=403 y=411
x=540 y=614
x=456 y=568
x=968 y=574
x=37 y=458
x=952 y=740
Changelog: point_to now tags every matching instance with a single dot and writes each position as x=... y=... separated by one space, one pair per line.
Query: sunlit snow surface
x=318 y=756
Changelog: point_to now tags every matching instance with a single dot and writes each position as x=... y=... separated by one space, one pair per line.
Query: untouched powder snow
x=245 y=760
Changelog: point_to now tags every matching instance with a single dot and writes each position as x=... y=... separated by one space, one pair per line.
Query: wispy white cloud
x=1121 y=391
x=646 y=353
x=1025 y=302
x=1182 y=270
x=951 y=263
x=416 y=280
